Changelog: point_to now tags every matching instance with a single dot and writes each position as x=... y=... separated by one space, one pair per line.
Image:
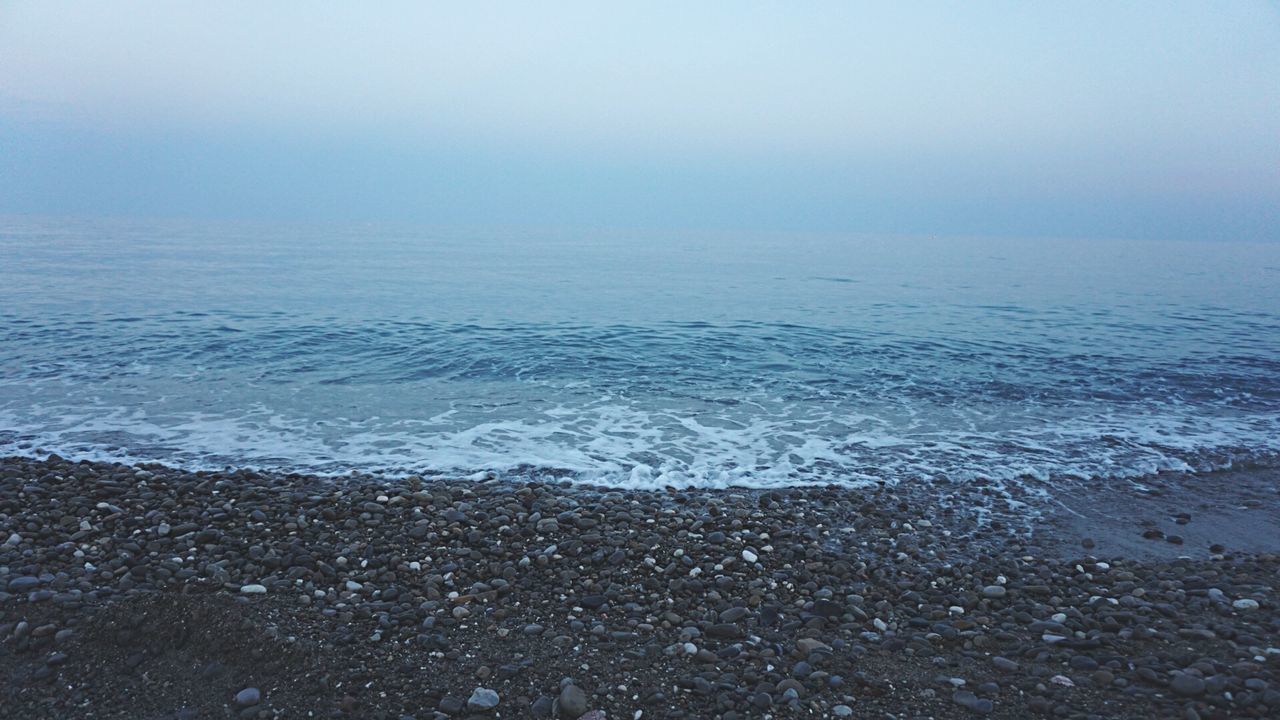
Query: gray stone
x=24 y=583
x=972 y=703
x=805 y=646
x=572 y=703
x=1004 y=663
x=482 y=700
x=248 y=697
x=1083 y=662
x=1187 y=685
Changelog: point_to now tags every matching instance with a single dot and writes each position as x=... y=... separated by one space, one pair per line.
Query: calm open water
x=637 y=360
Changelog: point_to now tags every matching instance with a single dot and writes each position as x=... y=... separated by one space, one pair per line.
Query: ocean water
x=638 y=359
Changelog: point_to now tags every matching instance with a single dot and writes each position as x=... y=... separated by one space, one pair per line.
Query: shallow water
x=637 y=360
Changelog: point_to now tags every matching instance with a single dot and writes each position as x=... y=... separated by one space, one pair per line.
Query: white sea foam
x=627 y=447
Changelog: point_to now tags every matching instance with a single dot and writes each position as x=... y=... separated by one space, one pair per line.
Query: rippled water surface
x=637 y=359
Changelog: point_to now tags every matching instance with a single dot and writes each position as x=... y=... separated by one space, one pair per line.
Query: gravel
x=148 y=591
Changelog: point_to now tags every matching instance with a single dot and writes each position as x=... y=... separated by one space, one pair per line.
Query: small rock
x=482 y=700
x=972 y=703
x=994 y=591
x=805 y=646
x=1083 y=662
x=253 y=589
x=1245 y=604
x=1004 y=663
x=23 y=583
x=248 y=697
x=541 y=708
x=1187 y=685
x=572 y=703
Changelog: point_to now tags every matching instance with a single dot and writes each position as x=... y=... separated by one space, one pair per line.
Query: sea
x=637 y=359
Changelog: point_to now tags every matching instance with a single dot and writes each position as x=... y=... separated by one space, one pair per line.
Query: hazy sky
x=1145 y=119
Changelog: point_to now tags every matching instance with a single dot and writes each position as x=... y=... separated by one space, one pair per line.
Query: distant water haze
x=639 y=359
x=1153 y=120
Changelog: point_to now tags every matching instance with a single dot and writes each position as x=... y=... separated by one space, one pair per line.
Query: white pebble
x=1245 y=604
x=749 y=556
x=254 y=589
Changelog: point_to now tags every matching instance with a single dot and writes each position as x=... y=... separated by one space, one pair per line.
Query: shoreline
x=153 y=592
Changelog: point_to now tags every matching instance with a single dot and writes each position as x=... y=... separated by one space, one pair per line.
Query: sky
x=1083 y=119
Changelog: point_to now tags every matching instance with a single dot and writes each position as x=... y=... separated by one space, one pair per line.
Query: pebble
x=572 y=702
x=972 y=703
x=482 y=700
x=248 y=697
x=1187 y=685
x=1004 y=663
x=23 y=583
x=656 y=601
x=994 y=591
x=1083 y=662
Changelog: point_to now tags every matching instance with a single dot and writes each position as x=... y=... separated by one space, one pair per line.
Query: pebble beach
x=155 y=592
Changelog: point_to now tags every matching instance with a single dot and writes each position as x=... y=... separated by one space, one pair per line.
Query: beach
x=787 y=361
x=145 y=591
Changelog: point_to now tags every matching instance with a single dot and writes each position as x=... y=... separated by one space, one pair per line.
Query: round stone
x=482 y=700
x=248 y=697
x=572 y=702
x=1187 y=685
